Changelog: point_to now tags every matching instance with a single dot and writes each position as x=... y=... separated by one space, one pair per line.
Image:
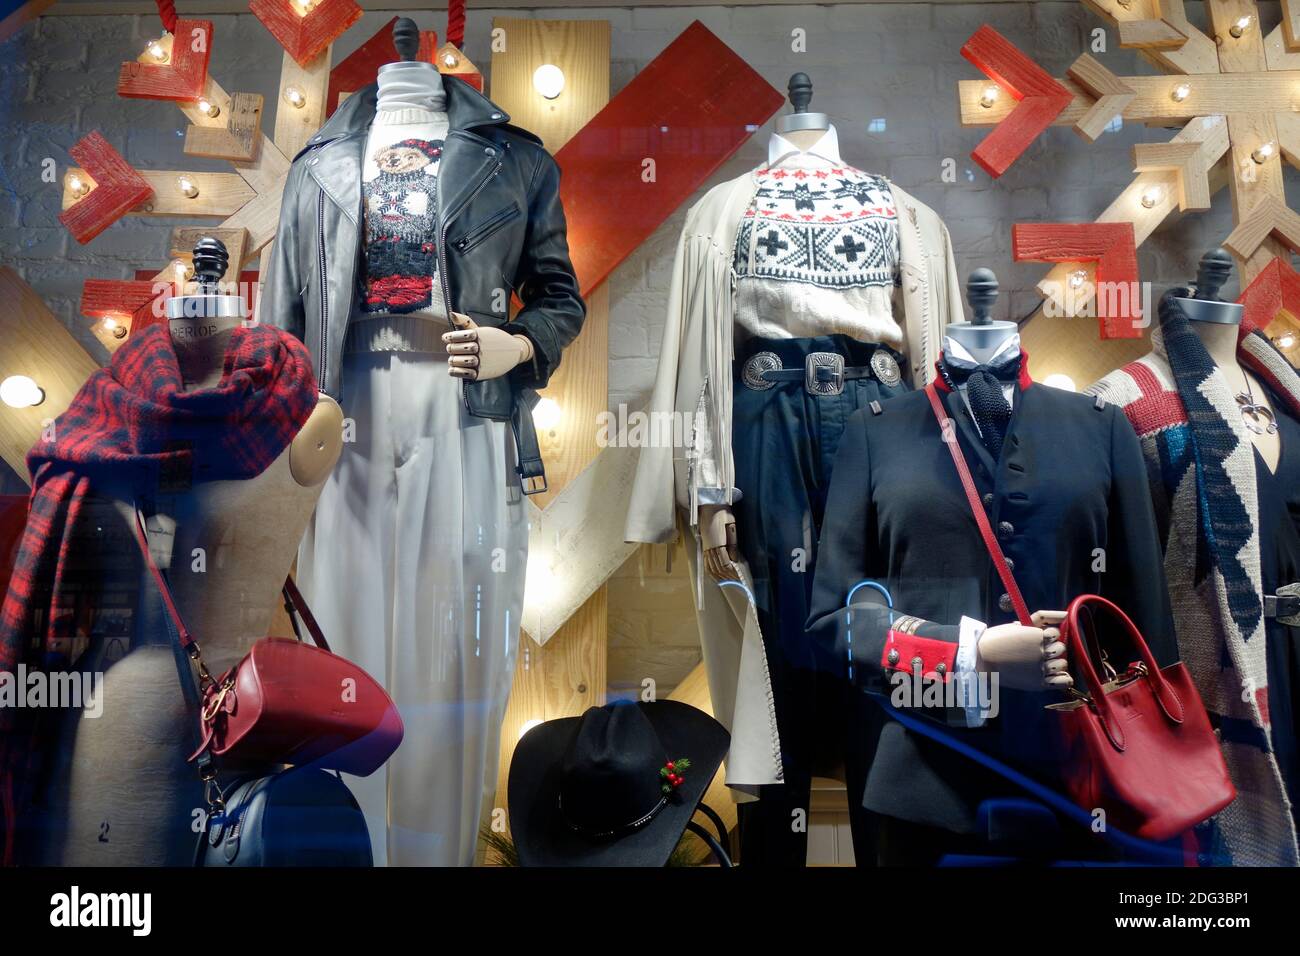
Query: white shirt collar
x=827 y=148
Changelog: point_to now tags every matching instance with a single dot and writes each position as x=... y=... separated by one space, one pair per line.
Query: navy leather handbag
x=298 y=817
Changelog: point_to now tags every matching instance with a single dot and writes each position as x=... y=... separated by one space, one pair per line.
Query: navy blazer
x=1070 y=502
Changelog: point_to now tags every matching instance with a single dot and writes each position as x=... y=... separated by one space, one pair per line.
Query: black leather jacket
x=501 y=231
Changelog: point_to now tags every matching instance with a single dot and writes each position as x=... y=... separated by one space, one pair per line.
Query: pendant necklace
x=1255 y=416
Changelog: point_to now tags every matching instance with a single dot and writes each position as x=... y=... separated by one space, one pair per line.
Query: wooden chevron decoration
x=115 y=189
x=305 y=28
x=184 y=73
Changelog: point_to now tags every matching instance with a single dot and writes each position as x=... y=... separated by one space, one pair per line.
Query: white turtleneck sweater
x=400 y=305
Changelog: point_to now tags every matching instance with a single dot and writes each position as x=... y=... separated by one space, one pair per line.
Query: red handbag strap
x=948 y=434
x=294 y=601
x=142 y=539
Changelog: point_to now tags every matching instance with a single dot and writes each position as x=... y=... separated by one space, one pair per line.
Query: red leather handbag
x=1138 y=746
x=287 y=701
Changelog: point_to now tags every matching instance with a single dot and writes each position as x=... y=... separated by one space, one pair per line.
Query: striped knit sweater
x=1202 y=469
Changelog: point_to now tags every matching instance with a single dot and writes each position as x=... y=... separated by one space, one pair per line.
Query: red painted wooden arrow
x=1041 y=98
x=140 y=302
x=185 y=74
x=361 y=67
x=654 y=144
x=1111 y=245
x=305 y=35
x=1276 y=289
x=118 y=189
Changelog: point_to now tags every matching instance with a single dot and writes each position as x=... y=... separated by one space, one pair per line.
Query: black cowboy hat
x=596 y=790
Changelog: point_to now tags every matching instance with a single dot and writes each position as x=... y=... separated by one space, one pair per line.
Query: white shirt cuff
x=968 y=636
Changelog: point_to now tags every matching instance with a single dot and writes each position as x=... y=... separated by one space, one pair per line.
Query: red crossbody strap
x=142 y=539
x=299 y=604
x=948 y=435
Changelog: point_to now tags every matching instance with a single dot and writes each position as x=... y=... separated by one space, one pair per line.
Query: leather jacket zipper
x=442 y=253
x=324 y=290
x=486 y=228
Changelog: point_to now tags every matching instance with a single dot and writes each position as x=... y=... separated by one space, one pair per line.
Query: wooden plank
x=1113 y=95
x=181 y=77
x=1134 y=22
x=562 y=43
x=1187 y=159
x=1113 y=249
x=1153 y=101
x=240 y=138
x=1255 y=183
x=219 y=194
x=1290 y=24
x=1211 y=133
x=36 y=344
x=1243 y=54
x=1270 y=218
x=294 y=125
x=655 y=144
x=116 y=188
x=568 y=674
x=304 y=37
x=1040 y=98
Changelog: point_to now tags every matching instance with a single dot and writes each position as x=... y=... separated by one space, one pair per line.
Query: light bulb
x=208 y=108
x=304 y=6
x=1060 y=381
x=449 y=60
x=156 y=50
x=547 y=414
x=187 y=187
x=114 y=328
x=1078 y=278
x=991 y=94
x=1264 y=153
x=1285 y=340
x=1181 y=92
x=1241 y=26
x=1152 y=196
x=19 y=391
x=528 y=725
x=77 y=186
x=548 y=80
x=295 y=97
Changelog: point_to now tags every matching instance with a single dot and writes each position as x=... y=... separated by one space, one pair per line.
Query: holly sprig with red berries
x=671 y=774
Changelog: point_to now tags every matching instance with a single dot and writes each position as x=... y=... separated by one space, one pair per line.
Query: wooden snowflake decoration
x=1234 y=92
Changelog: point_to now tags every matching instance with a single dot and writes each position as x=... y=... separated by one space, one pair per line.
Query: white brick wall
x=899 y=62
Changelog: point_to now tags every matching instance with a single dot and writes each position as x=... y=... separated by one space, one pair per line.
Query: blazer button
x=916 y=662
x=941 y=668
x=988 y=500
x=1006 y=529
x=893 y=656
x=1011 y=565
x=1004 y=604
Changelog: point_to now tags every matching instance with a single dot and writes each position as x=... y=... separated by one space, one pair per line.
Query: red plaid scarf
x=132 y=428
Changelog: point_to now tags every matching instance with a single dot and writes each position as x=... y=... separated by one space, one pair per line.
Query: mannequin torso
x=124 y=794
x=1220 y=340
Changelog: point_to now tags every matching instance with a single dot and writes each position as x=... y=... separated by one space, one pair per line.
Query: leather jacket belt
x=532 y=473
x=1284 y=605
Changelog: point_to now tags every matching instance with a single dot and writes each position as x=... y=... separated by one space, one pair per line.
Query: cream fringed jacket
x=693 y=384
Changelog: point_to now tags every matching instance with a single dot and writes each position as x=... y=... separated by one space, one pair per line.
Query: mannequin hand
x=479 y=352
x=718 y=536
x=1027 y=658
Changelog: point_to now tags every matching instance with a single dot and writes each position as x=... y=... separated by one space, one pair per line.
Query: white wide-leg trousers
x=414 y=565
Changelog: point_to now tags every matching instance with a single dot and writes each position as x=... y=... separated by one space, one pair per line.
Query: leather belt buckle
x=1285 y=605
x=534 y=485
x=823 y=373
